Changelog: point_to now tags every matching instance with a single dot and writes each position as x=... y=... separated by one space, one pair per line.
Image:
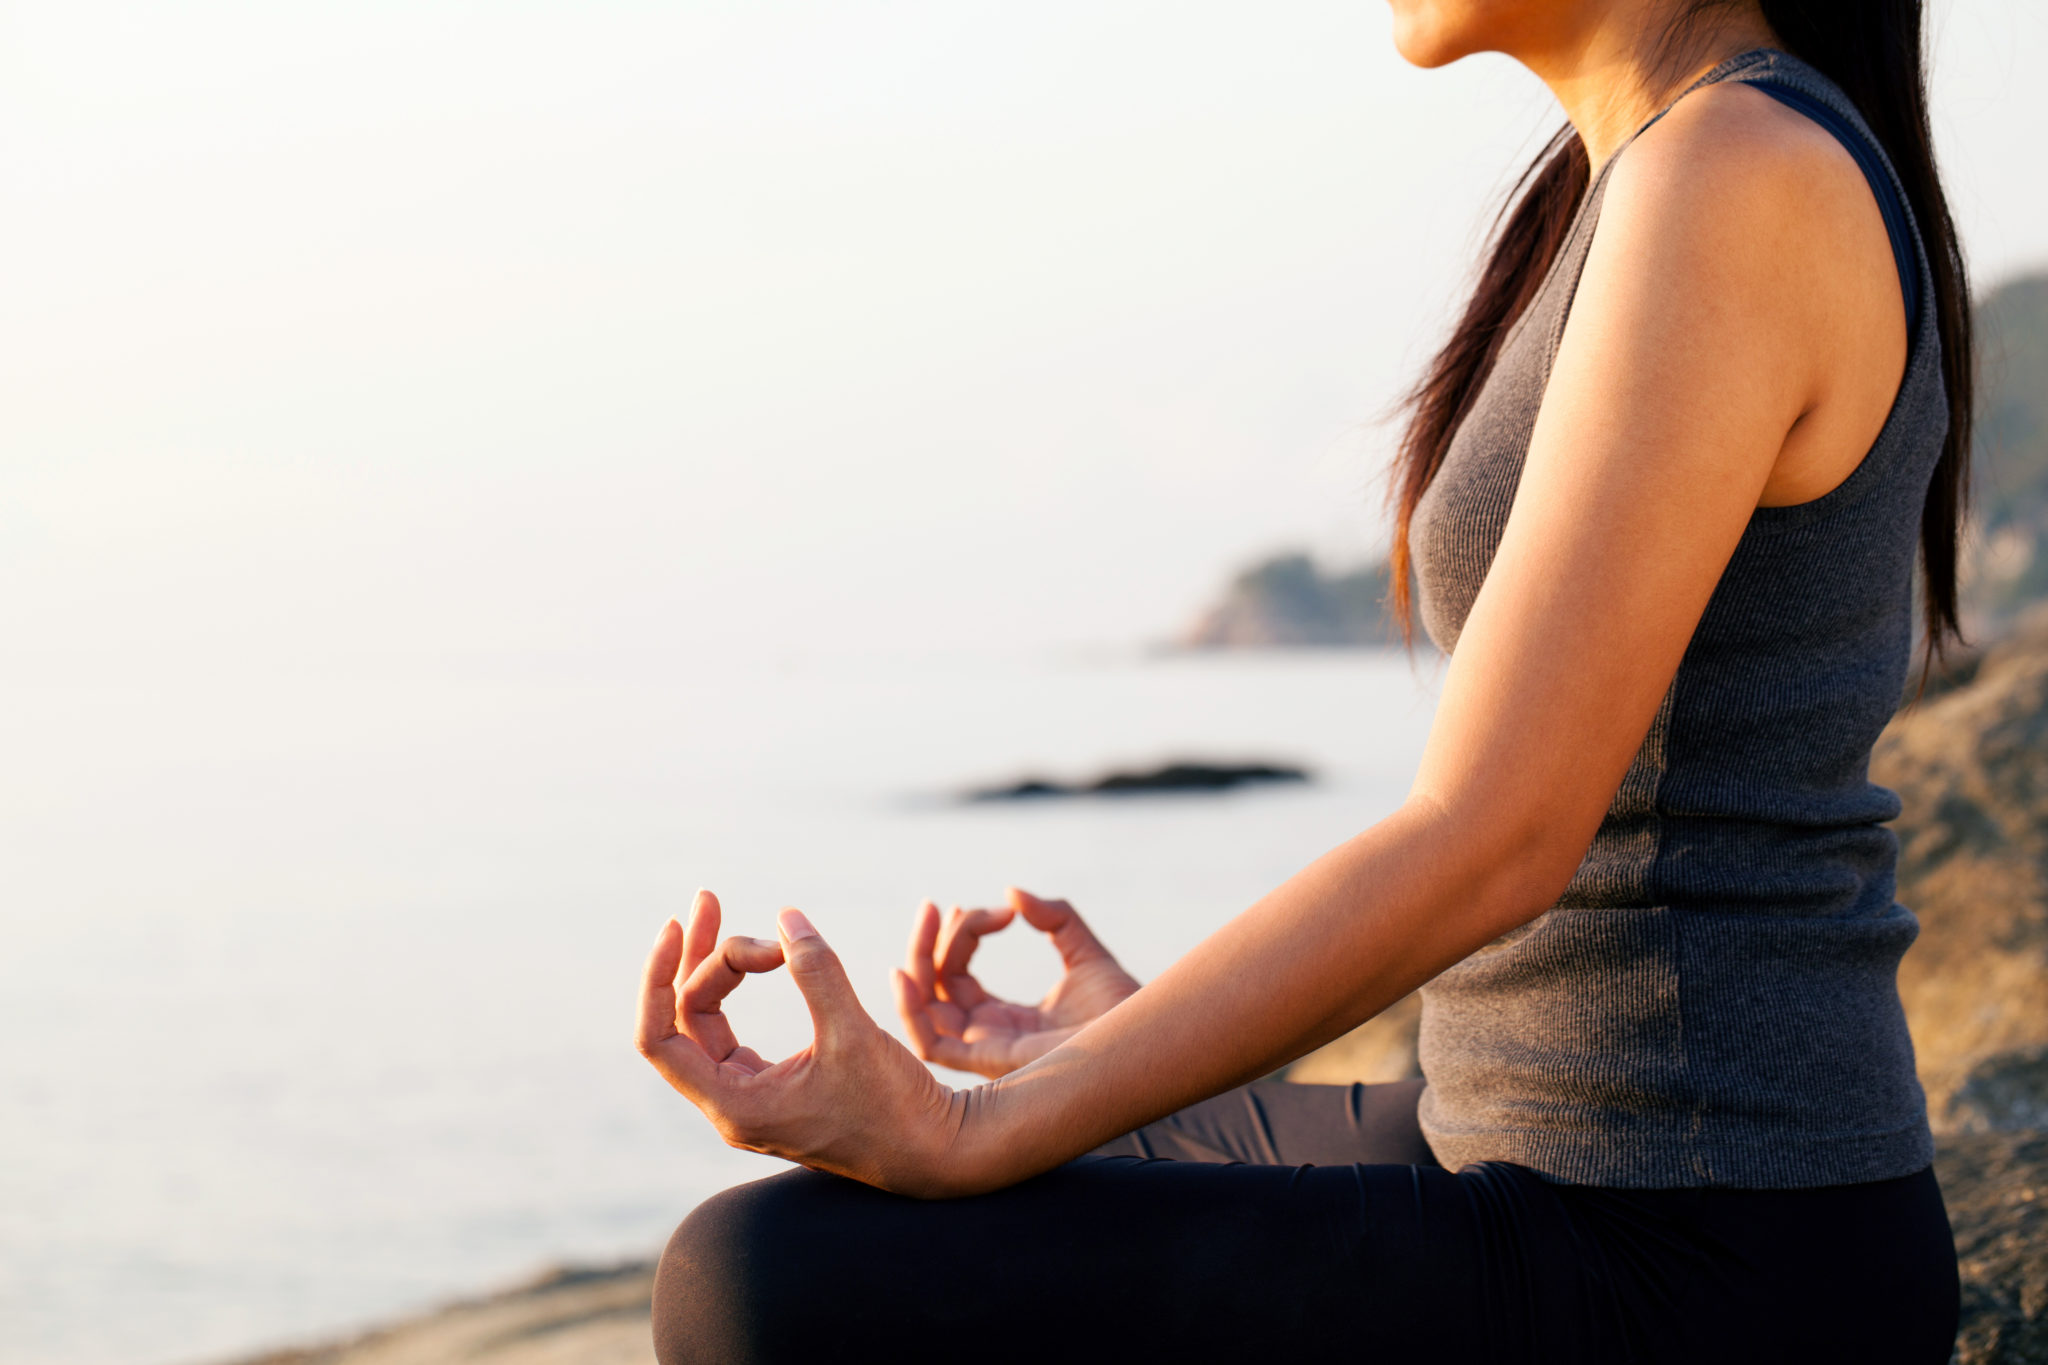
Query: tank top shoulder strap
x=1806 y=91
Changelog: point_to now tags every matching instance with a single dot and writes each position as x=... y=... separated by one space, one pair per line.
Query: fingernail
x=794 y=926
x=763 y=942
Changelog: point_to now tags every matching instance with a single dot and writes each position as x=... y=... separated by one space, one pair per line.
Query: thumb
x=816 y=969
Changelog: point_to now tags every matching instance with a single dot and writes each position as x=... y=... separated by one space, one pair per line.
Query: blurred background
x=472 y=473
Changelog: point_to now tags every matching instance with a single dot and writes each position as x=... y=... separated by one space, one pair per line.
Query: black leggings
x=1308 y=1223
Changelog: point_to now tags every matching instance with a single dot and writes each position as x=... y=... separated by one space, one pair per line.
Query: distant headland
x=1291 y=602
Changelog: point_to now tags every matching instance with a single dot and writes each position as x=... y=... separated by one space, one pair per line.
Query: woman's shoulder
x=1737 y=227
x=1733 y=164
x=1737 y=200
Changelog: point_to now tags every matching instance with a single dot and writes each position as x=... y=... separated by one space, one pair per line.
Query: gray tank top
x=1713 y=1000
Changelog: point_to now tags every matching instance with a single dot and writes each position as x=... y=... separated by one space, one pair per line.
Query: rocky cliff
x=2007 y=566
x=1971 y=768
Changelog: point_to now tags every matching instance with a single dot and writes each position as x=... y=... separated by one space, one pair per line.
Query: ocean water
x=316 y=991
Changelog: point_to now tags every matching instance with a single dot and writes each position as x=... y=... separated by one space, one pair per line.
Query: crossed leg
x=1274 y=1222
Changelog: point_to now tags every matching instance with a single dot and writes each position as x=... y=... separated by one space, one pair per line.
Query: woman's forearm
x=1337 y=943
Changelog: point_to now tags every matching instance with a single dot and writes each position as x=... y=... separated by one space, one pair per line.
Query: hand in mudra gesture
x=853 y=1101
x=956 y=1023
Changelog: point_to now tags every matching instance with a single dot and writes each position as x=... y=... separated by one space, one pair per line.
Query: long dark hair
x=1872 y=49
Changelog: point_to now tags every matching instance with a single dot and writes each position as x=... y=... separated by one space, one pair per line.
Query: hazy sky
x=367 y=334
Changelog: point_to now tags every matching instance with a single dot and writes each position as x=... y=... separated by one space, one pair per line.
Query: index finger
x=681 y=1062
x=658 y=987
x=921 y=962
x=956 y=946
x=720 y=972
x=925 y=1040
x=702 y=932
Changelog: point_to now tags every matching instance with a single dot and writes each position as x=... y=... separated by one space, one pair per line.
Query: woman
x=1662 y=492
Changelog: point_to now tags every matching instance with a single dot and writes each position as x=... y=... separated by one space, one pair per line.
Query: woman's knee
x=712 y=1289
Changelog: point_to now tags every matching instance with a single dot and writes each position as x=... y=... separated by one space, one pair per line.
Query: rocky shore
x=584 y=1316
x=1972 y=769
x=1970 y=764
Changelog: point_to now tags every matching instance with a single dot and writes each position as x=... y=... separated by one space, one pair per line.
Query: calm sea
x=315 y=995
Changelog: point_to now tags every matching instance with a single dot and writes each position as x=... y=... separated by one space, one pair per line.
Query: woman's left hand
x=854 y=1101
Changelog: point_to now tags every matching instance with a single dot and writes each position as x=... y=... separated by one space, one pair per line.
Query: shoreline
x=569 y=1315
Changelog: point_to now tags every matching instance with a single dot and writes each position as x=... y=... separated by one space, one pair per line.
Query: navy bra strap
x=1896 y=223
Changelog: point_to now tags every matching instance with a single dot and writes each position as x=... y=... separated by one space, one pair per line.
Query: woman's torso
x=1713 y=999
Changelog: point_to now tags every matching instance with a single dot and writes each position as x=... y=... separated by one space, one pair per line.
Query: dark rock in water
x=1208 y=777
x=1996 y=1187
x=1030 y=786
x=1173 y=777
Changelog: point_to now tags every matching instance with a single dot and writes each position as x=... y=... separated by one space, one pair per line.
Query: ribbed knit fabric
x=1713 y=1001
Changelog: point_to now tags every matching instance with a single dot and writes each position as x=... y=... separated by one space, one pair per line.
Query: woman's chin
x=1423 y=43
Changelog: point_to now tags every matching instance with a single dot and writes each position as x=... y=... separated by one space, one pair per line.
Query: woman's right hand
x=956 y=1023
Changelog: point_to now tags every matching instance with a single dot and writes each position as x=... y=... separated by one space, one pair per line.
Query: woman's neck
x=1615 y=72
